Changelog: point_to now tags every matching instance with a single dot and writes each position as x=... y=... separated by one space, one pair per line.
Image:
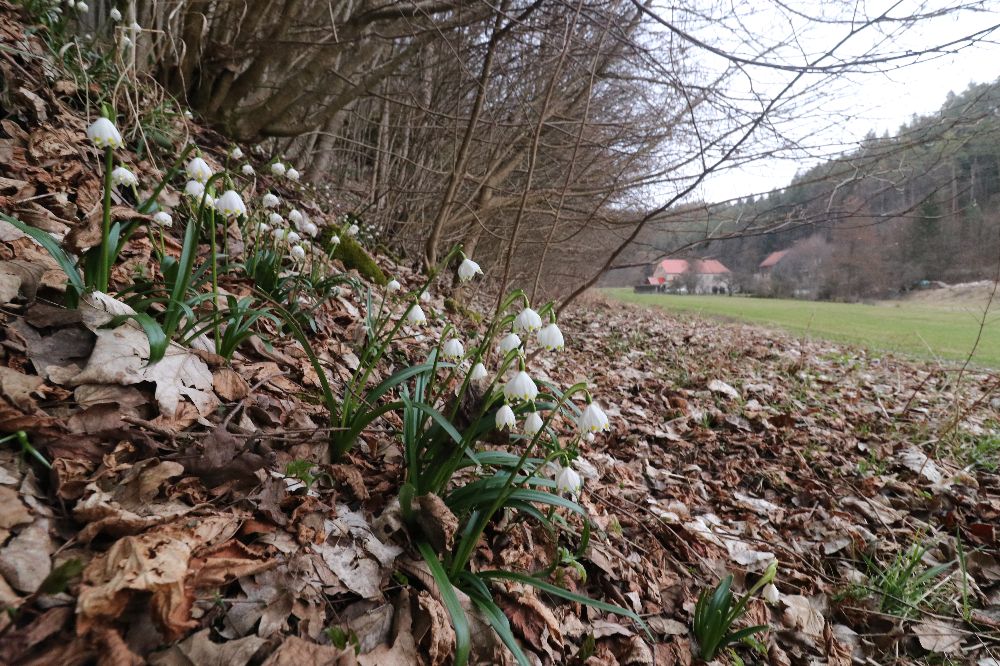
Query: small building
x=772 y=260
x=695 y=276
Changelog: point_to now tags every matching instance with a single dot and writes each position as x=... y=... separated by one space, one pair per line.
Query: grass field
x=925 y=330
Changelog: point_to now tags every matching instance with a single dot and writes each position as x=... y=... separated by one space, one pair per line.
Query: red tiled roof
x=678 y=266
x=773 y=258
x=656 y=280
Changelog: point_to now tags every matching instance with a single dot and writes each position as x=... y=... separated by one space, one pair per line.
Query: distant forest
x=894 y=214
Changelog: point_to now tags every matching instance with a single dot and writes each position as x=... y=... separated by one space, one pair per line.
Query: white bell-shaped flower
x=231 y=204
x=278 y=169
x=478 y=372
x=295 y=217
x=122 y=176
x=292 y=173
x=505 y=418
x=269 y=200
x=115 y=15
x=82 y=7
x=275 y=220
x=263 y=227
x=353 y=230
x=568 y=481
x=425 y=296
x=335 y=240
x=126 y=42
x=310 y=229
x=194 y=189
x=104 y=134
x=247 y=170
x=135 y=26
x=527 y=320
x=163 y=219
x=520 y=387
x=593 y=419
x=771 y=594
x=293 y=237
x=237 y=153
x=209 y=201
x=550 y=337
x=468 y=269
x=453 y=349
x=415 y=315
x=298 y=252
x=198 y=169
x=393 y=286
x=509 y=342
x=533 y=423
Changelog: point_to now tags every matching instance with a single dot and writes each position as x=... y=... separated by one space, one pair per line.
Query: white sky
x=876 y=101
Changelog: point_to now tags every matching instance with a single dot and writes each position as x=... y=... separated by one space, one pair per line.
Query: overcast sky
x=874 y=101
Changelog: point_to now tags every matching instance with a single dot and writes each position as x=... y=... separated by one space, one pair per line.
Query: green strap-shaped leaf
x=154 y=333
x=49 y=243
x=459 y=620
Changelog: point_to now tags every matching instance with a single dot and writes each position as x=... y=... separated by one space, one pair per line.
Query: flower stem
x=104 y=270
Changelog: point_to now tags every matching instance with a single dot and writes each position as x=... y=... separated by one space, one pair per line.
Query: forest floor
x=944 y=324
x=152 y=515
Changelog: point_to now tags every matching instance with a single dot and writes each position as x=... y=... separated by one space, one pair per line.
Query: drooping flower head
x=122 y=176
x=275 y=220
x=298 y=252
x=509 y=342
x=478 y=372
x=353 y=230
x=198 y=169
x=527 y=320
x=269 y=200
x=468 y=269
x=453 y=349
x=550 y=337
x=533 y=423
x=295 y=216
x=278 y=169
x=104 y=134
x=520 y=387
x=393 y=286
x=293 y=237
x=231 y=204
x=194 y=189
x=593 y=419
x=568 y=481
x=115 y=15
x=292 y=174
x=415 y=315
x=335 y=240
x=247 y=170
x=505 y=418
x=163 y=219
x=425 y=296
x=237 y=153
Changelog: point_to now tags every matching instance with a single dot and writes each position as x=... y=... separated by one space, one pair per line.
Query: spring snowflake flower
x=468 y=269
x=425 y=296
x=415 y=315
x=311 y=229
x=550 y=337
x=122 y=176
x=509 y=342
x=292 y=173
x=293 y=237
x=269 y=200
x=521 y=387
x=188 y=114
x=209 y=201
x=353 y=230
x=198 y=169
x=298 y=252
x=231 y=204
x=568 y=481
x=478 y=372
x=263 y=227
x=82 y=7
x=771 y=594
x=71 y=3
x=115 y=15
x=393 y=286
x=528 y=320
x=453 y=349
x=136 y=26
x=236 y=153
x=533 y=424
x=247 y=170
x=594 y=419
x=126 y=42
x=163 y=219
x=275 y=220
x=194 y=189
x=295 y=216
x=104 y=134
x=278 y=169
x=505 y=418
x=335 y=240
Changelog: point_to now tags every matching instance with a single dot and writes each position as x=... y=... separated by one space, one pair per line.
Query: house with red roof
x=772 y=260
x=694 y=276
